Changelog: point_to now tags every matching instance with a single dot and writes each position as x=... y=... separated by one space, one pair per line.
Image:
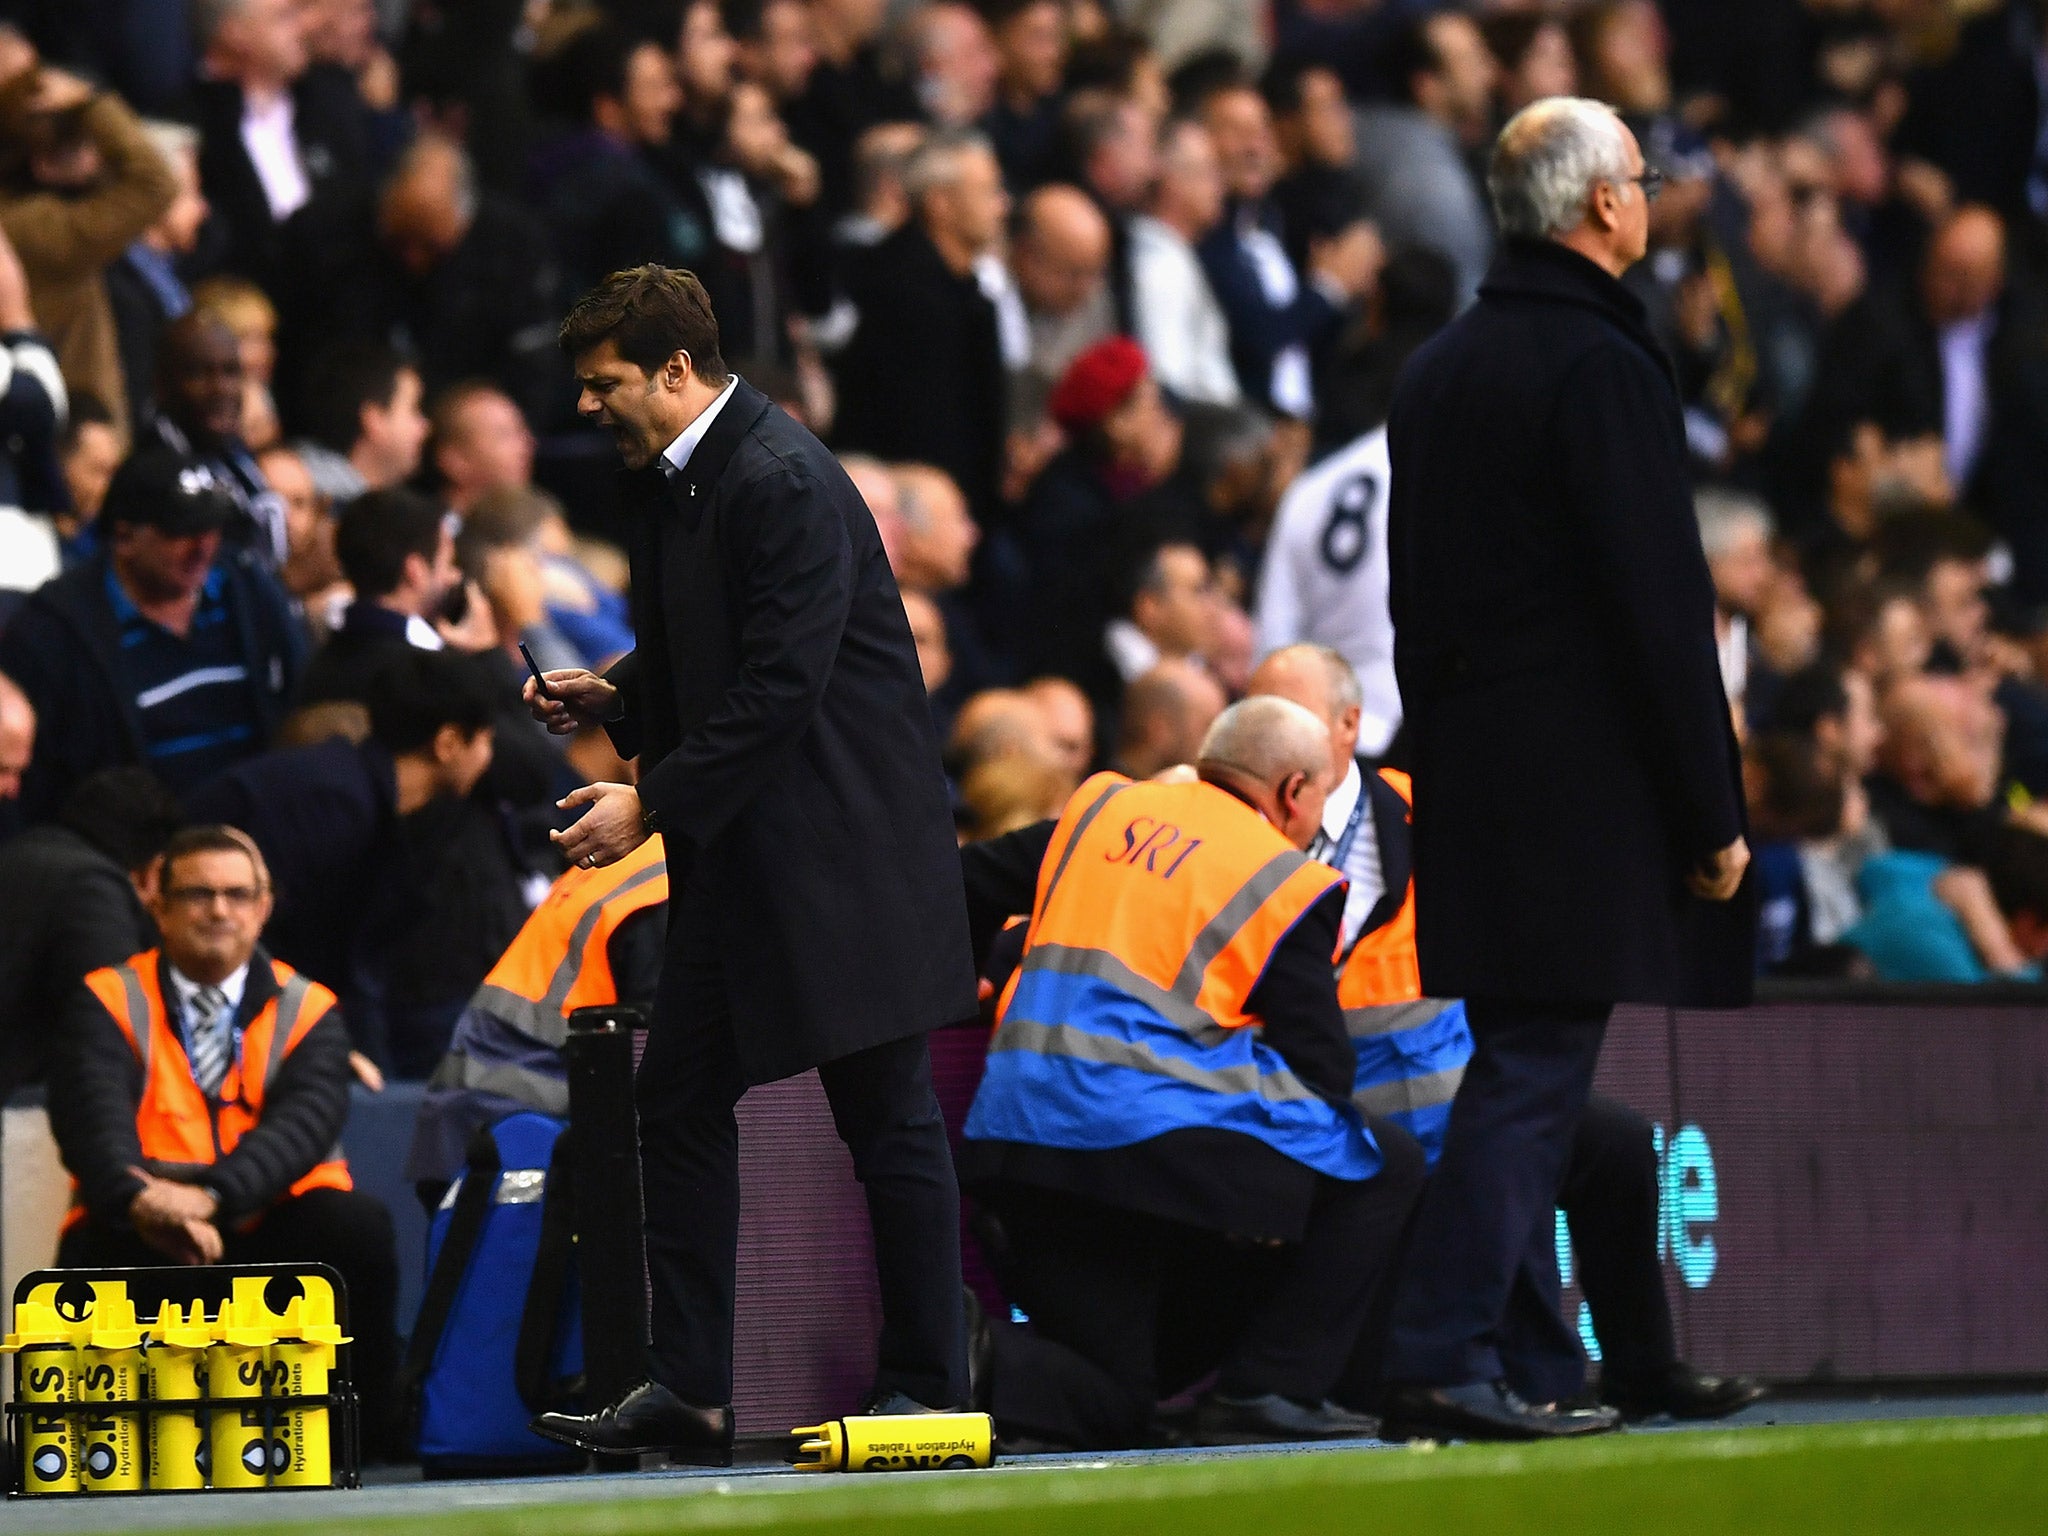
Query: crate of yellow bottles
x=177 y=1380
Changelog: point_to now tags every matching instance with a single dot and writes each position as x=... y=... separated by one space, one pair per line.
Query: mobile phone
x=540 y=683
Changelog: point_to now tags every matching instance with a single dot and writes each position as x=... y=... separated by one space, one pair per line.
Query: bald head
x=17 y=737
x=997 y=723
x=1321 y=681
x=1069 y=722
x=1965 y=272
x=1166 y=712
x=1276 y=755
x=1062 y=250
x=877 y=488
x=1943 y=741
x=429 y=203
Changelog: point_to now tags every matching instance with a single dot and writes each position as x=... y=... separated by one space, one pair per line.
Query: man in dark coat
x=817 y=917
x=1578 y=805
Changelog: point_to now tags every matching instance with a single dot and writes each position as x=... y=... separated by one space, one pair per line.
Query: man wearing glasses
x=198 y=1094
x=1578 y=817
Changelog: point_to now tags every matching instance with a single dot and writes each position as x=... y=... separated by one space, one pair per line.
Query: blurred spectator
x=934 y=657
x=1181 y=31
x=398 y=552
x=349 y=856
x=1319 y=194
x=1277 y=315
x=1793 y=799
x=499 y=552
x=1171 y=614
x=1111 y=144
x=994 y=724
x=1023 y=125
x=81 y=181
x=922 y=378
x=1735 y=532
x=1533 y=54
x=1069 y=723
x=364 y=430
x=164 y=649
x=1411 y=155
x=878 y=488
x=312 y=570
x=247 y=311
x=846 y=94
x=773 y=38
x=32 y=409
x=284 y=153
x=954 y=64
x=939 y=535
x=704 y=56
x=146 y=287
x=1936 y=789
x=1164 y=716
x=1882 y=632
x=198 y=412
x=1059 y=257
x=2019 y=880
x=1833 y=708
x=1008 y=793
x=462 y=281
x=130 y=1117
x=89 y=455
x=17 y=737
x=479 y=443
x=72 y=895
x=1175 y=314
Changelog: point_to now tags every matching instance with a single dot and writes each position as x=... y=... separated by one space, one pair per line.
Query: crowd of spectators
x=290 y=470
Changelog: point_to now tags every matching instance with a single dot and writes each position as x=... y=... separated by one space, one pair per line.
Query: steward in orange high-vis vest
x=595 y=939
x=1169 y=1172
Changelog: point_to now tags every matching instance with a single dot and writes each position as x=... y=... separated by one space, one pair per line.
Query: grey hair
x=1266 y=738
x=173 y=141
x=1548 y=160
x=936 y=162
x=1724 y=514
x=1344 y=689
x=428 y=145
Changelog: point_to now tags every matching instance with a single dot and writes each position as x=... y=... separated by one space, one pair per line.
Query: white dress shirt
x=1965 y=394
x=1361 y=864
x=677 y=455
x=1179 y=323
x=273 y=145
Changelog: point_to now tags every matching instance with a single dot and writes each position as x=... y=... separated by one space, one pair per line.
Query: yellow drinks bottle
x=110 y=1374
x=920 y=1442
x=303 y=1366
x=45 y=1372
x=239 y=1438
x=177 y=1369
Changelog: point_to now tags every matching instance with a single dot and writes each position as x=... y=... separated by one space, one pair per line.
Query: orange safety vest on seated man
x=179 y=1127
x=1157 y=911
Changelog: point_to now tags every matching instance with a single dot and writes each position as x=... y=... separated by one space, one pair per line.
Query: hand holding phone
x=540 y=683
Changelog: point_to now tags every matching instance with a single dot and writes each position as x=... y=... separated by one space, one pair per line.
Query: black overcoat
x=1554 y=643
x=786 y=750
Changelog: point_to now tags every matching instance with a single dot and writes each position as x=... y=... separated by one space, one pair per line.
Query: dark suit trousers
x=1609 y=1198
x=1126 y=1307
x=1481 y=1284
x=884 y=1110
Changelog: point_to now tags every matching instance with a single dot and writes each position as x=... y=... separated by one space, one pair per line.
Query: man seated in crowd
x=17 y=748
x=198 y=411
x=596 y=939
x=1164 y=1141
x=165 y=649
x=339 y=823
x=364 y=427
x=397 y=550
x=197 y=1095
x=72 y=896
x=1412 y=1052
x=1165 y=715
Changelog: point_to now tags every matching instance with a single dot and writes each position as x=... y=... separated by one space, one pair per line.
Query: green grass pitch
x=1925 y=1477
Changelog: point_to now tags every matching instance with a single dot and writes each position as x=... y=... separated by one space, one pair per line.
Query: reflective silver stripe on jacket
x=1390 y=1018
x=522 y=1085
x=1071 y=1041
x=1225 y=926
x=542 y=1020
x=139 y=1021
x=1425 y=1092
x=291 y=1001
x=1081 y=825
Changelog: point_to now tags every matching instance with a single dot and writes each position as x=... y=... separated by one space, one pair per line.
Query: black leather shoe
x=980 y=1351
x=1486 y=1410
x=650 y=1420
x=1682 y=1392
x=1223 y=1420
x=885 y=1404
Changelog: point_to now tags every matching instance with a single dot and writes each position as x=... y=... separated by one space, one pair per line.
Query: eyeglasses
x=1652 y=183
x=200 y=897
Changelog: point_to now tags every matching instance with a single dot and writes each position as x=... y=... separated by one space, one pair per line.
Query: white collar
x=1337 y=809
x=677 y=454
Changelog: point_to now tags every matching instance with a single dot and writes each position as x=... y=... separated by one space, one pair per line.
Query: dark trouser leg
x=1089 y=1278
x=688 y=1083
x=886 y=1113
x=1301 y=1338
x=351 y=1232
x=1610 y=1199
x=103 y=1245
x=1539 y=1351
x=1487 y=1213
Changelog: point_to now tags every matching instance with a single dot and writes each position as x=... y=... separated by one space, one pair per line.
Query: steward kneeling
x=1172 y=1176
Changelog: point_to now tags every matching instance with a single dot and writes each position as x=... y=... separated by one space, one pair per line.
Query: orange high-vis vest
x=178 y=1126
x=559 y=961
x=1158 y=909
x=1411 y=1049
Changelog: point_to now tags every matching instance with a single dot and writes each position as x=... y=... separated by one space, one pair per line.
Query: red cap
x=1097 y=382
